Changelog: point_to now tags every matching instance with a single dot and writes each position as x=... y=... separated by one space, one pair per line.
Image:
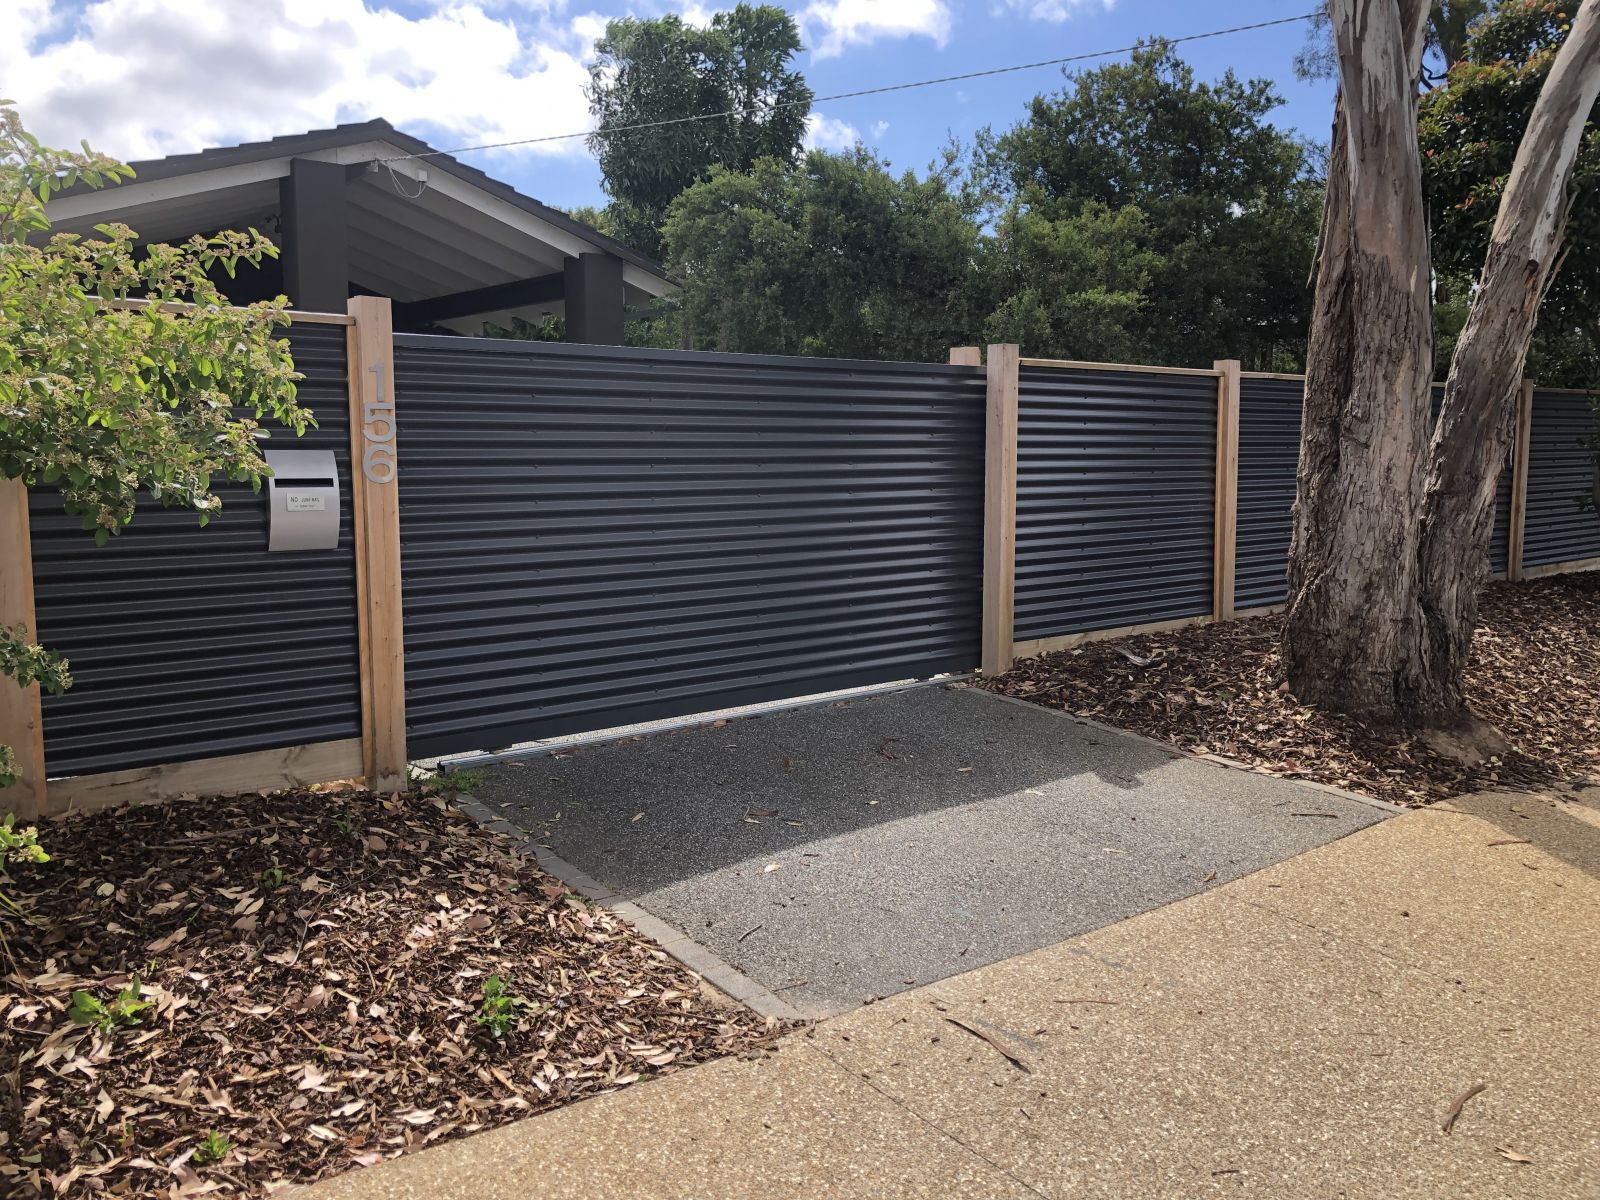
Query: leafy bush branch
x=123 y=368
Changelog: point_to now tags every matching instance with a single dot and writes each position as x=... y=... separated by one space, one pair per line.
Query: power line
x=874 y=91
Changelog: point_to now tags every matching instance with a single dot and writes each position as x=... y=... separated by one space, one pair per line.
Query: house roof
x=422 y=223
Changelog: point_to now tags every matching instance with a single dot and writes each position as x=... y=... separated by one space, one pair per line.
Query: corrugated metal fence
x=1561 y=472
x=595 y=536
x=592 y=536
x=1116 y=477
x=189 y=643
x=1269 y=455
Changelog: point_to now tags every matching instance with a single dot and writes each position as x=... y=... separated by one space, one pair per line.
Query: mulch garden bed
x=1218 y=689
x=222 y=996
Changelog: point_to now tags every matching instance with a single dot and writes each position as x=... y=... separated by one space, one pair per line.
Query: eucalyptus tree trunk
x=1478 y=418
x=1353 y=635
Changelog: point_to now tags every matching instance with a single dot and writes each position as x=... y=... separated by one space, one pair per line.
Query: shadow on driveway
x=842 y=853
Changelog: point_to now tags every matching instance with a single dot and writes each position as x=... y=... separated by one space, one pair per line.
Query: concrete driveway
x=839 y=854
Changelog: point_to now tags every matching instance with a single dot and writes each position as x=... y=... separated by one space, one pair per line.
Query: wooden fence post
x=375 y=494
x=1226 y=529
x=966 y=356
x=1519 y=481
x=1000 y=510
x=21 y=721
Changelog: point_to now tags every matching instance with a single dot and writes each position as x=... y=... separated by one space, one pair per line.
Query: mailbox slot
x=302 y=500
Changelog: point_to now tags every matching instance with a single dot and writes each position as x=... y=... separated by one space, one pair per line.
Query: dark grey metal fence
x=1560 y=472
x=1116 y=477
x=1269 y=456
x=596 y=536
x=187 y=642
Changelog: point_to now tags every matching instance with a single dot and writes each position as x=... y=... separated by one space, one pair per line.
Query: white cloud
x=879 y=128
x=1054 y=10
x=144 y=78
x=698 y=15
x=836 y=24
x=829 y=133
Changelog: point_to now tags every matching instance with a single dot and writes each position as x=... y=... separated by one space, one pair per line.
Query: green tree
x=835 y=256
x=1229 y=202
x=663 y=72
x=1070 y=288
x=1469 y=129
x=105 y=402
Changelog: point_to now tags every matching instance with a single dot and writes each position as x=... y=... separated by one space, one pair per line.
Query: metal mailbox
x=302 y=500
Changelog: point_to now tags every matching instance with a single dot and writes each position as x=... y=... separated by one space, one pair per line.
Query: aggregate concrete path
x=842 y=853
x=1300 y=1033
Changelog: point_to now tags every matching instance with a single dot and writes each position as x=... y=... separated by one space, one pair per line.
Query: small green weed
x=468 y=779
x=345 y=824
x=499 y=1012
x=212 y=1148
x=106 y=1016
x=272 y=878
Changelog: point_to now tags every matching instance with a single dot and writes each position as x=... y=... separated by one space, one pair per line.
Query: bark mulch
x=1219 y=689
x=312 y=967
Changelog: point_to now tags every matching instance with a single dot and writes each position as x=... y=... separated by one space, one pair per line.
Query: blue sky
x=142 y=78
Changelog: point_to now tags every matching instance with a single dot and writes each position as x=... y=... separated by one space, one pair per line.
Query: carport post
x=1000 y=509
x=1225 y=533
x=375 y=494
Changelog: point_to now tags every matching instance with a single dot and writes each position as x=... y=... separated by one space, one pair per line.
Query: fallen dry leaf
x=1012 y=1056
x=312 y=1026
x=1456 y=1105
x=1510 y=1155
x=1219 y=689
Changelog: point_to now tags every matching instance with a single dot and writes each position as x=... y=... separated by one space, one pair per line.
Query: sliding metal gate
x=596 y=536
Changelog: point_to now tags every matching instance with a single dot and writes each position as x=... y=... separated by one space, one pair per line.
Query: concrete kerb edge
x=1216 y=760
x=721 y=975
x=458 y=762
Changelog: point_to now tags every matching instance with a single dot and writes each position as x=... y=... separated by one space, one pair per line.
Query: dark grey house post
x=594 y=299
x=316 y=259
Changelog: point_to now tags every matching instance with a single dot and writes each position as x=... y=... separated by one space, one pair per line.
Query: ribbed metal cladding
x=593 y=536
x=1560 y=471
x=1116 y=485
x=186 y=642
x=1269 y=457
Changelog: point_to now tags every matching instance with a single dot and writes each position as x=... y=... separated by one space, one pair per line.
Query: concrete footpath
x=1303 y=1031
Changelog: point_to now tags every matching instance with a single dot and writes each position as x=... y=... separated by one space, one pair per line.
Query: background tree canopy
x=1469 y=129
x=835 y=256
x=1136 y=214
x=660 y=70
x=1171 y=208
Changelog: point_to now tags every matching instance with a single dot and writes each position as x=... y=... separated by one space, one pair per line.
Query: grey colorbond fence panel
x=187 y=643
x=1269 y=456
x=1116 y=479
x=593 y=536
x=1560 y=470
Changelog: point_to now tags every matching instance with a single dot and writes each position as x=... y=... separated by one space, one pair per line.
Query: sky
x=144 y=78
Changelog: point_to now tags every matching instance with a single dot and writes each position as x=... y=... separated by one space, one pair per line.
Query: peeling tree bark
x=1477 y=420
x=1392 y=527
x=1353 y=635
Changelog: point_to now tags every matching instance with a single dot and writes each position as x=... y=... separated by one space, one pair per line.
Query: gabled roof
x=378 y=130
